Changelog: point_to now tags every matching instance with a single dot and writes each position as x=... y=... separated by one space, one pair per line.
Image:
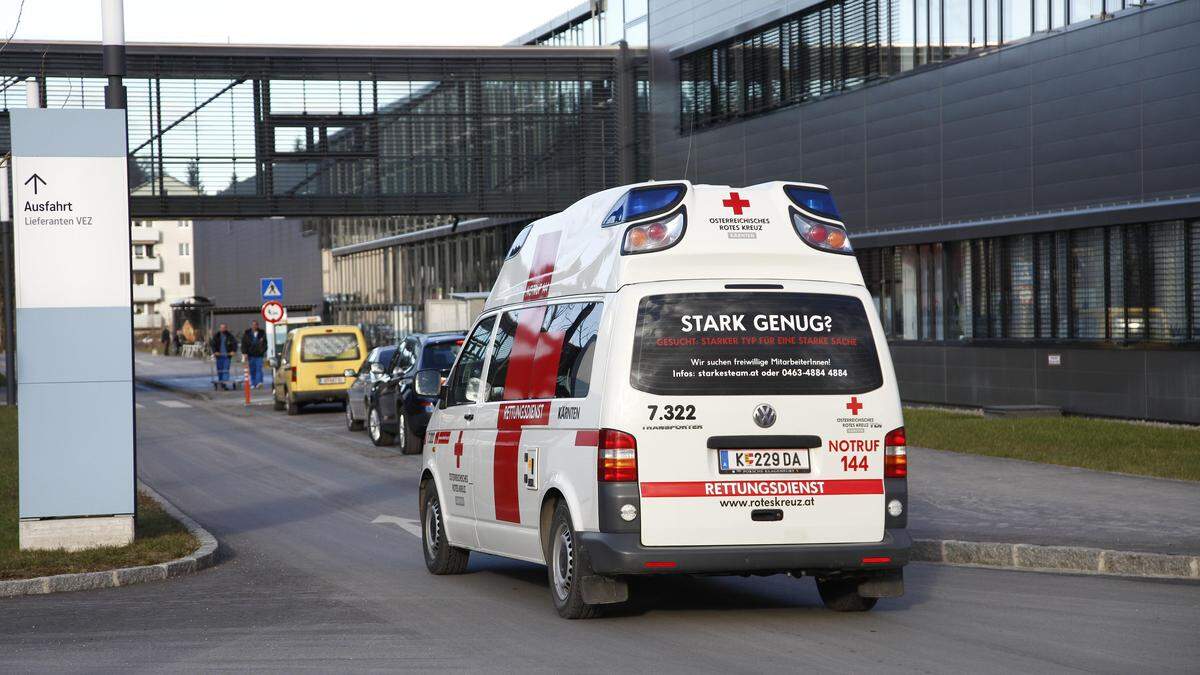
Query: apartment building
x=163 y=267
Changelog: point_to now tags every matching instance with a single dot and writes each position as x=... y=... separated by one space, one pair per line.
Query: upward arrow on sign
x=35 y=179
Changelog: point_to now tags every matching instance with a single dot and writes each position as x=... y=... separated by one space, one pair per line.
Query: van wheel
x=566 y=563
x=841 y=595
x=351 y=423
x=410 y=443
x=278 y=405
x=293 y=407
x=440 y=556
x=375 y=428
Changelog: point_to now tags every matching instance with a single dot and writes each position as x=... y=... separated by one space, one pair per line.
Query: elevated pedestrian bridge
x=256 y=131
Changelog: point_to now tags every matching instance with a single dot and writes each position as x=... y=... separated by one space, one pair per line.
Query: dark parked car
x=398 y=415
x=359 y=396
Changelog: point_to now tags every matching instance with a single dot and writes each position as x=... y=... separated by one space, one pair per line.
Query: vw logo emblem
x=764 y=415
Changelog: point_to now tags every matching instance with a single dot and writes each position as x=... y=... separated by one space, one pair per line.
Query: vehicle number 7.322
x=672 y=412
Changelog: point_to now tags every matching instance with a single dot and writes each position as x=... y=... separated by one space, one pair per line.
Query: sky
x=309 y=22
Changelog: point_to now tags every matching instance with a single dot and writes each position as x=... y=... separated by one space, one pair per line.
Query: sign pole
x=10 y=296
x=112 y=40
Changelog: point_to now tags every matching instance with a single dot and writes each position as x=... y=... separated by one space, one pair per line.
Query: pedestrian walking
x=166 y=342
x=178 y=342
x=224 y=346
x=254 y=346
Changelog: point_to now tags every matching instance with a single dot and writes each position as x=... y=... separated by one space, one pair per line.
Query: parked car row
x=380 y=392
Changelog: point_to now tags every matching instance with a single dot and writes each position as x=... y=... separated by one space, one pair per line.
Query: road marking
x=140 y=362
x=407 y=524
x=138 y=405
x=169 y=403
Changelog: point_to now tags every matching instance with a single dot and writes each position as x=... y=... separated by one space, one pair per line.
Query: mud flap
x=887 y=584
x=598 y=590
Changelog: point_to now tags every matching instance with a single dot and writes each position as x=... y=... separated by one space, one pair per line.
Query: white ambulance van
x=671 y=378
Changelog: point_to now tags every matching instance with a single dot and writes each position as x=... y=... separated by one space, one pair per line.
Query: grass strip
x=1160 y=451
x=158 y=536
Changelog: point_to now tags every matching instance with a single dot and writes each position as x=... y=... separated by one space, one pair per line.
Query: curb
x=202 y=557
x=1076 y=559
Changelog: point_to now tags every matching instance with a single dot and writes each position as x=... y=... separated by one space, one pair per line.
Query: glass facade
x=608 y=23
x=383 y=290
x=1135 y=283
x=844 y=44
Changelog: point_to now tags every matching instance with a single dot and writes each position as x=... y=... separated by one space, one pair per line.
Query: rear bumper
x=623 y=553
x=318 y=396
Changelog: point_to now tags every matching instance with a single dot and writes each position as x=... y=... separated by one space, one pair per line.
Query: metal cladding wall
x=1102 y=113
x=232 y=255
x=1097 y=124
x=1140 y=383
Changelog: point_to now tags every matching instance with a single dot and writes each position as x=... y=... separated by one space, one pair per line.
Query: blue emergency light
x=644 y=201
x=813 y=200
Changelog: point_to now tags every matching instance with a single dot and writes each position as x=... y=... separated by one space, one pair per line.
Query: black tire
x=410 y=443
x=566 y=563
x=279 y=405
x=440 y=556
x=351 y=423
x=841 y=595
x=379 y=435
x=293 y=408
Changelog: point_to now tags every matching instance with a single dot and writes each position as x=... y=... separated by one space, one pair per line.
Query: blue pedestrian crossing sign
x=272 y=288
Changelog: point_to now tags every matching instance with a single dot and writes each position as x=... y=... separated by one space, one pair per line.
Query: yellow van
x=312 y=366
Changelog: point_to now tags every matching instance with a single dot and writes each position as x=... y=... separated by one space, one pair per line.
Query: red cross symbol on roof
x=736 y=203
x=854 y=406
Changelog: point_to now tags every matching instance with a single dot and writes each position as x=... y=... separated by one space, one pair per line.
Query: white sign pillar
x=74 y=328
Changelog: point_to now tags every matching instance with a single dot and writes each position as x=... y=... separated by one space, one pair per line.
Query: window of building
x=184 y=223
x=1124 y=283
x=143 y=250
x=185 y=248
x=143 y=278
x=843 y=44
x=185 y=278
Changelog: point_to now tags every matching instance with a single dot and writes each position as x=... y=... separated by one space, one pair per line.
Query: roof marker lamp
x=820 y=235
x=654 y=235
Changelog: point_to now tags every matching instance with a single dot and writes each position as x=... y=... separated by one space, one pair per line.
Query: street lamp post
x=112 y=17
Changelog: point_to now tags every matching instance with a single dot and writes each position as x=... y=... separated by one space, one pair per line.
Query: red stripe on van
x=589 y=438
x=763 y=488
x=504 y=475
x=542 y=269
x=510 y=419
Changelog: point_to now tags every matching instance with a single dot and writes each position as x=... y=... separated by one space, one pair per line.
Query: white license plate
x=336 y=379
x=763 y=461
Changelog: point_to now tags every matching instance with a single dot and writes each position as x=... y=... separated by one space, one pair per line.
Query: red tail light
x=617 y=457
x=895 y=454
x=293 y=373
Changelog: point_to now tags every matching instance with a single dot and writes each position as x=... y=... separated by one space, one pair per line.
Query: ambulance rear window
x=714 y=344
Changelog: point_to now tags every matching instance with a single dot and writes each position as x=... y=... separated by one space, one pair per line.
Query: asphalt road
x=309 y=582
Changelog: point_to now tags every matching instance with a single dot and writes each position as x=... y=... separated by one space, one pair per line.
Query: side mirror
x=377 y=369
x=427 y=383
x=350 y=372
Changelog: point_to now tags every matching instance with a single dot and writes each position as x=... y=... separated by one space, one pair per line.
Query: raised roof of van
x=737 y=233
